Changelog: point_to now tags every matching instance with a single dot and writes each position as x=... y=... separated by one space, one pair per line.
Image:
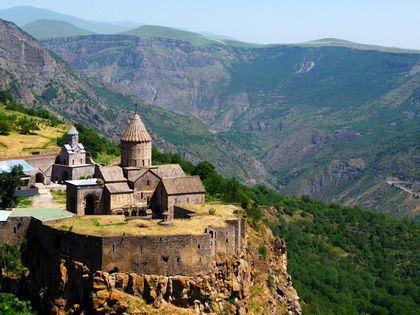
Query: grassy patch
x=59 y=196
x=118 y=225
x=25 y=202
x=104 y=158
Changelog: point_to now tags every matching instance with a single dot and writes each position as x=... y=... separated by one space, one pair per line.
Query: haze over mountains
x=42 y=23
x=329 y=118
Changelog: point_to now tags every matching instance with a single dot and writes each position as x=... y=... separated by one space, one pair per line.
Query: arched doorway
x=40 y=178
x=89 y=205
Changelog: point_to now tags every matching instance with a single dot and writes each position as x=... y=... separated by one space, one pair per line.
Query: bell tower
x=72 y=137
x=136 y=144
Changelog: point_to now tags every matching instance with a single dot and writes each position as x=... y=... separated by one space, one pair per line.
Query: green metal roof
x=43 y=214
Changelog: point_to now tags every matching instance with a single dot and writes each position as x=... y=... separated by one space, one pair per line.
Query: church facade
x=73 y=162
x=136 y=187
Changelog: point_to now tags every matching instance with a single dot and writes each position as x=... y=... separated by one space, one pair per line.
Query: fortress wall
x=224 y=239
x=237 y=226
x=14 y=230
x=57 y=244
x=166 y=255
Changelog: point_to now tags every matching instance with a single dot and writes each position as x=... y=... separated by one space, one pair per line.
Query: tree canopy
x=8 y=184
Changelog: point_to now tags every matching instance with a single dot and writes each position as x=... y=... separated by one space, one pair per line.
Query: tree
x=204 y=170
x=5 y=127
x=8 y=184
x=43 y=113
x=5 y=97
x=27 y=126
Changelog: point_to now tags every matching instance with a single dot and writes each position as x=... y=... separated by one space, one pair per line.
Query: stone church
x=73 y=162
x=136 y=187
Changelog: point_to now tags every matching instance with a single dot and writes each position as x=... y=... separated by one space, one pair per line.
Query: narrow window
x=113 y=248
x=14 y=229
x=198 y=245
x=227 y=241
x=177 y=259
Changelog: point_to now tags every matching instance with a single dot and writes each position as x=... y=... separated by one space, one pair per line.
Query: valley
x=330 y=118
x=323 y=119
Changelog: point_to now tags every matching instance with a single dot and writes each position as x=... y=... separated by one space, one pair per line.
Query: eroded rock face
x=35 y=78
x=335 y=174
x=230 y=279
x=70 y=287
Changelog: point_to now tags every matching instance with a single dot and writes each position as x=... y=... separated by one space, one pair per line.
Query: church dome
x=136 y=131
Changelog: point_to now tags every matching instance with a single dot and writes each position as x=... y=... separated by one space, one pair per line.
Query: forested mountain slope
x=331 y=119
x=38 y=78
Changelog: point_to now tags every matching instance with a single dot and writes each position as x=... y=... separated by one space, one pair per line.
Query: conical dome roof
x=72 y=131
x=136 y=131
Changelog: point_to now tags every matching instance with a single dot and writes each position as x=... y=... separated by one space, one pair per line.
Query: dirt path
x=44 y=199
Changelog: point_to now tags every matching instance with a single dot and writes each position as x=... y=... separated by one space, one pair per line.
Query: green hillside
x=344 y=43
x=154 y=31
x=53 y=28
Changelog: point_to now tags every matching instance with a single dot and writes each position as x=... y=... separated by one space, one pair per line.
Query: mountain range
x=333 y=119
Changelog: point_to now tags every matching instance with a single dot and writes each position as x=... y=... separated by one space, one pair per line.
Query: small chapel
x=135 y=187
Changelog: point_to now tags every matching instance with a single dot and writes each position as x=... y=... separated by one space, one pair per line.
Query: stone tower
x=72 y=137
x=136 y=144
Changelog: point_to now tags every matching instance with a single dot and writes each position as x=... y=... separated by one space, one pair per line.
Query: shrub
x=262 y=250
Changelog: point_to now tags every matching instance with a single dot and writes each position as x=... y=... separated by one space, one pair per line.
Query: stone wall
x=14 y=230
x=62 y=244
x=189 y=254
x=118 y=201
x=166 y=255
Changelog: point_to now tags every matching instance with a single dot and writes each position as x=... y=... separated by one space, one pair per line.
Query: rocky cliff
x=245 y=283
x=37 y=79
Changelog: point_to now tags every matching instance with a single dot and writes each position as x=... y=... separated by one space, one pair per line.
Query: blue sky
x=387 y=23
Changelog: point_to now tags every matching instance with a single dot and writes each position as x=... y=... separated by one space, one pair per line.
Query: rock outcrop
x=277 y=294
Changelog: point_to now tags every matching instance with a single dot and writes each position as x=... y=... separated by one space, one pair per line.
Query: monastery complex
x=135 y=217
